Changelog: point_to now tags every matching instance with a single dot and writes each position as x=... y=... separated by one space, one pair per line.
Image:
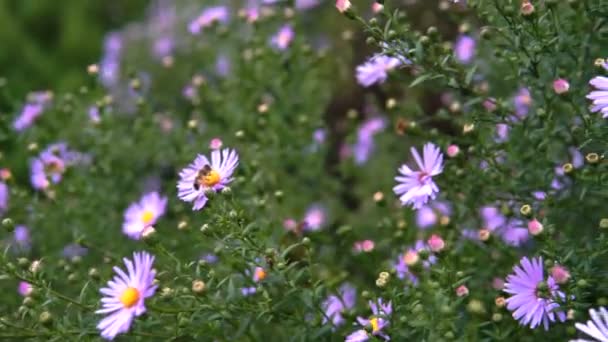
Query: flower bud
x=94 y=273
x=149 y=234
x=535 y=227
x=560 y=274
x=526 y=8
x=411 y=258
x=604 y=223
x=462 y=291
x=568 y=168
x=198 y=286
x=476 y=306
x=500 y=301
x=45 y=317
x=384 y=275
x=381 y=282
x=592 y=158
x=561 y=86
x=8 y=224
x=36 y=266
x=436 y=243
x=525 y=210
x=452 y=151
x=483 y=234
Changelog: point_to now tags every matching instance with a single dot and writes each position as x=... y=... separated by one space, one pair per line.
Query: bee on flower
x=203 y=176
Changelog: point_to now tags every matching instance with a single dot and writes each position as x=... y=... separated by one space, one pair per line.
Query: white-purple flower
x=124 y=297
x=464 y=49
x=600 y=95
x=597 y=327
x=533 y=298
x=203 y=176
x=415 y=188
x=376 y=323
x=143 y=214
x=208 y=17
x=376 y=69
x=282 y=39
x=335 y=305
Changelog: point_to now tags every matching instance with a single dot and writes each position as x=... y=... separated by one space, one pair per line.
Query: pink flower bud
x=25 y=289
x=526 y=8
x=462 y=291
x=498 y=283
x=490 y=104
x=215 y=143
x=436 y=243
x=453 y=151
x=364 y=246
x=535 y=227
x=342 y=5
x=290 y=224
x=560 y=274
x=411 y=258
x=376 y=7
x=561 y=86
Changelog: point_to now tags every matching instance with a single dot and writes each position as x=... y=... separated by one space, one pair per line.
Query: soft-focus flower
x=436 y=243
x=110 y=63
x=25 y=288
x=4 y=194
x=412 y=257
x=452 y=151
x=283 y=38
x=376 y=69
x=203 y=176
x=429 y=215
x=125 y=294
x=561 y=86
x=335 y=305
x=464 y=49
x=376 y=323
x=415 y=188
x=306 y=4
x=533 y=297
x=535 y=227
x=343 y=5
x=364 y=146
x=526 y=8
x=522 y=102
x=34 y=107
x=600 y=95
x=315 y=218
x=364 y=246
x=462 y=291
x=74 y=250
x=377 y=7
x=215 y=144
x=208 y=17
x=512 y=231
x=142 y=214
x=21 y=238
x=597 y=327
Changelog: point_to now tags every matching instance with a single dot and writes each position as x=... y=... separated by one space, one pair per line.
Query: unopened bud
x=483 y=234
x=525 y=210
x=560 y=274
x=535 y=227
x=568 y=168
x=436 y=243
x=411 y=258
x=561 y=86
x=462 y=291
x=592 y=158
x=45 y=317
x=526 y=8
x=452 y=151
x=198 y=286
x=500 y=301
x=384 y=275
x=36 y=266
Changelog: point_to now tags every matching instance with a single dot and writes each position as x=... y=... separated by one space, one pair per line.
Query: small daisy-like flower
x=143 y=214
x=315 y=218
x=124 y=297
x=600 y=95
x=364 y=146
x=376 y=69
x=376 y=323
x=208 y=17
x=35 y=106
x=533 y=298
x=203 y=176
x=283 y=38
x=597 y=327
x=464 y=49
x=335 y=305
x=415 y=188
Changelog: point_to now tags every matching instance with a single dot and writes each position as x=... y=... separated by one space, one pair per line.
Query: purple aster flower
x=522 y=102
x=25 y=288
x=335 y=305
x=210 y=258
x=502 y=132
x=428 y=215
x=464 y=49
x=4 y=194
x=306 y=4
x=315 y=218
x=365 y=138
x=202 y=176
x=597 y=327
x=109 y=67
x=93 y=113
x=21 y=238
x=208 y=17
x=49 y=166
x=411 y=257
x=377 y=322
x=34 y=107
x=600 y=95
x=163 y=46
x=415 y=188
x=283 y=37
x=376 y=69
x=124 y=297
x=74 y=250
x=512 y=231
x=532 y=297
x=222 y=65
x=143 y=214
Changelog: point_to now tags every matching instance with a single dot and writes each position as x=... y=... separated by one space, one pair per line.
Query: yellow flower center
x=208 y=177
x=129 y=297
x=260 y=273
x=147 y=217
x=374 y=323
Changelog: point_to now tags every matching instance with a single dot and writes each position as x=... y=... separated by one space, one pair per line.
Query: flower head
x=203 y=176
x=464 y=49
x=532 y=296
x=600 y=95
x=315 y=218
x=25 y=288
x=415 y=188
x=35 y=106
x=4 y=193
x=142 y=214
x=283 y=38
x=376 y=323
x=208 y=17
x=335 y=305
x=597 y=327
x=364 y=146
x=125 y=294
x=376 y=69
x=343 y=5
